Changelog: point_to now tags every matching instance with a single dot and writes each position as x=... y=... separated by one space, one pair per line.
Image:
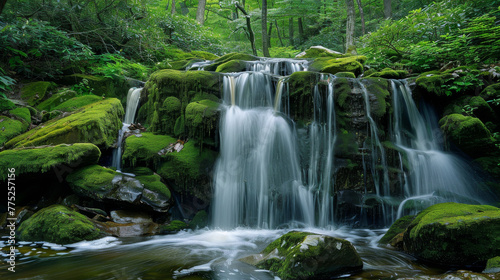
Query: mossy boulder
x=103 y=184
x=305 y=255
x=319 y=51
x=97 y=123
x=173 y=227
x=6 y=104
x=389 y=73
x=469 y=134
x=21 y=113
x=11 y=127
x=330 y=65
x=228 y=57
x=34 y=93
x=479 y=107
x=44 y=159
x=200 y=220
x=204 y=55
x=58 y=224
x=143 y=150
x=378 y=92
x=202 y=118
x=301 y=88
x=493 y=265
x=101 y=86
x=492 y=95
x=77 y=102
x=433 y=87
x=345 y=75
x=454 y=234
x=397 y=229
x=56 y=99
x=232 y=66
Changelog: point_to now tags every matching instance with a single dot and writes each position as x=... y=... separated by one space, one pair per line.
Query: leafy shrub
x=114 y=65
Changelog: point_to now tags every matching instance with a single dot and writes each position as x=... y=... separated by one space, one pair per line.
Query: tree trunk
x=362 y=15
x=349 y=29
x=251 y=36
x=290 y=30
x=301 y=31
x=200 y=12
x=2 y=4
x=269 y=34
x=387 y=9
x=173 y=7
x=278 y=31
x=265 y=37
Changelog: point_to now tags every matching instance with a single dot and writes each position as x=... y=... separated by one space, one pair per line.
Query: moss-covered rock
x=22 y=113
x=143 y=151
x=389 y=73
x=232 y=66
x=228 y=57
x=173 y=227
x=103 y=184
x=43 y=159
x=319 y=51
x=301 y=88
x=35 y=92
x=492 y=95
x=305 y=255
x=433 y=86
x=101 y=86
x=493 y=265
x=204 y=55
x=330 y=65
x=77 y=102
x=345 y=75
x=200 y=220
x=454 y=234
x=97 y=123
x=56 y=99
x=479 y=107
x=6 y=104
x=10 y=128
x=469 y=134
x=58 y=224
x=397 y=228
x=201 y=119
x=379 y=89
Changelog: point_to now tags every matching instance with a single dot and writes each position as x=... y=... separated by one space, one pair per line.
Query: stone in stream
x=304 y=255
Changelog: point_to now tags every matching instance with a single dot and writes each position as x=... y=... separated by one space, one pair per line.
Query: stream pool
x=200 y=254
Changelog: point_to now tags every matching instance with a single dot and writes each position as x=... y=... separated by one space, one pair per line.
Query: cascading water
x=277 y=66
x=133 y=97
x=432 y=175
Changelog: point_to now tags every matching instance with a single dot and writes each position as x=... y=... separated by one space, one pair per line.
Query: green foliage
x=115 y=65
x=462 y=82
x=5 y=83
x=83 y=87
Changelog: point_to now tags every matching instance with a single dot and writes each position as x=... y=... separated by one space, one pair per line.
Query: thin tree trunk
x=200 y=12
x=265 y=37
x=251 y=36
x=278 y=31
x=173 y=7
x=301 y=30
x=290 y=30
x=362 y=15
x=387 y=9
x=349 y=30
x=269 y=34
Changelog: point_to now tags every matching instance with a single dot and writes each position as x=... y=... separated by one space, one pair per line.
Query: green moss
x=346 y=144
x=232 y=66
x=179 y=126
x=319 y=52
x=10 y=128
x=228 y=57
x=491 y=92
x=6 y=104
x=433 y=85
x=58 y=224
x=202 y=118
x=482 y=109
x=56 y=99
x=35 y=92
x=143 y=151
x=389 y=73
x=398 y=227
x=204 y=55
x=301 y=88
x=174 y=226
x=153 y=183
x=200 y=220
x=22 y=113
x=345 y=75
x=455 y=234
x=352 y=64
x=493 y=263
x=379 y=87
x=469 y=134
x=101 y=86
x=77 y=102
x=43 y=159
x=93 y=181
x=97 y=123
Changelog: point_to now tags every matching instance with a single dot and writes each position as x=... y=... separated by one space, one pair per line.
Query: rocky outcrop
x=305 y=255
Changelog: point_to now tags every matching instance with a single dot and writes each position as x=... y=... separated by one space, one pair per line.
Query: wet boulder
x=129 y=223
x=36 y=92
x=103 y=184
x=334 y=65
x=493 y=265
x=305 y=255
x=14 y=123
x=319 y=51
x=454 y=234
x=58 y=224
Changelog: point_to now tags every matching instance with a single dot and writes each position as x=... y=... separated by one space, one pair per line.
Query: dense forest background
x=40 y=39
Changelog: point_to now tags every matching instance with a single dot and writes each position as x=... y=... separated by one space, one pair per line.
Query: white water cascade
x=433 y=175
x=133 y=97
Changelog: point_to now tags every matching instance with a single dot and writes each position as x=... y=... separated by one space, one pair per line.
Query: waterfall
x=432 y=175
x=278 y=66
x=133 y=97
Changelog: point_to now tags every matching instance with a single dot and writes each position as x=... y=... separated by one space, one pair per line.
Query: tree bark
x=362 y=15
x=387 y=9
x=301 y=30
x=251 y=36
x=290 y=30
x=269 y=34
x=349 y=29
x=278 y=31
x=200 y=12
x=2 y=4
x=265 y=37
x=173 y=7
